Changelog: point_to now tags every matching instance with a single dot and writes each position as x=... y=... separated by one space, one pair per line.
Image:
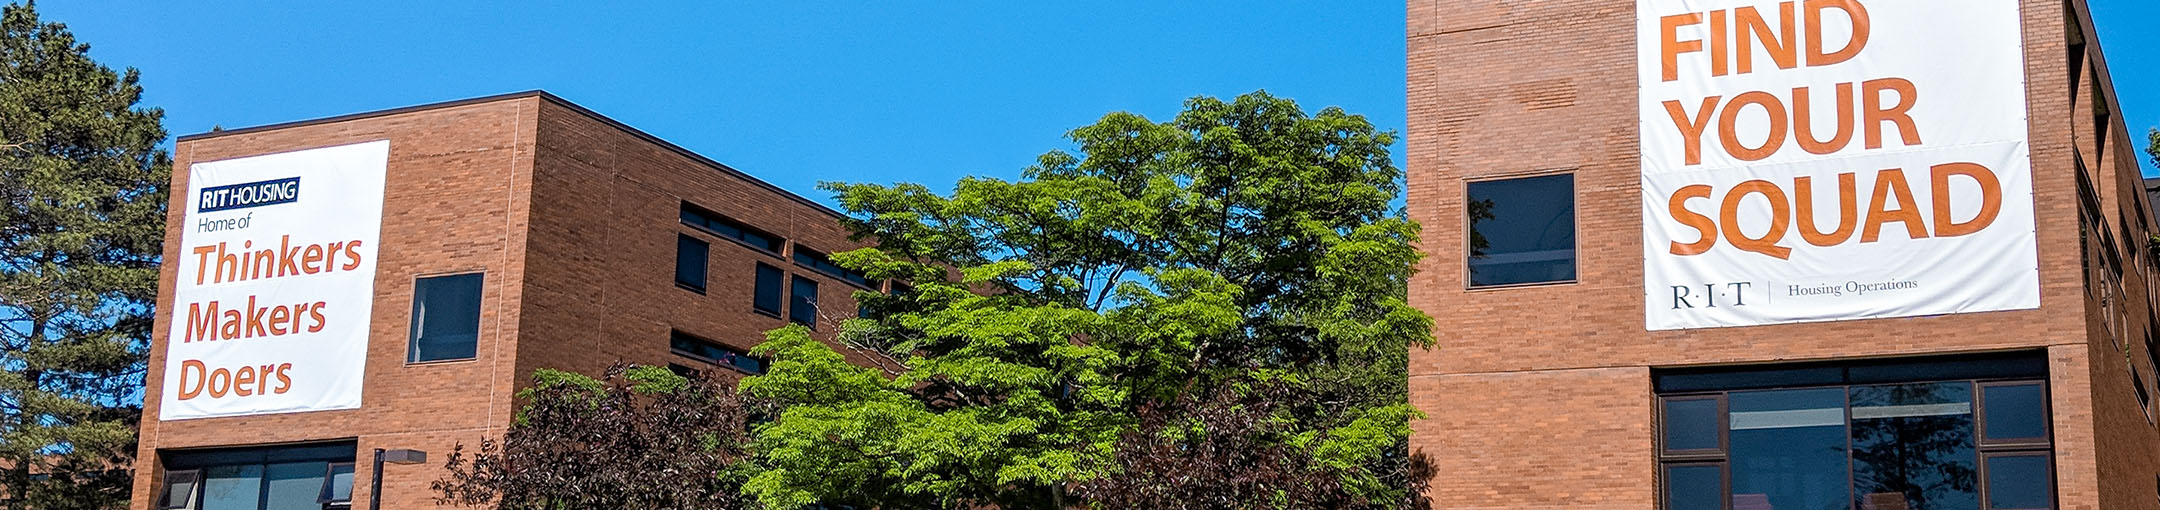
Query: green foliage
x=2152 y=145
x=82 y=210
x=1242 y=241
x=638 y=437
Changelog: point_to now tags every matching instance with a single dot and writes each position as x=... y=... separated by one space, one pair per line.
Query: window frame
x=764 y=365
x=1664 y=485
x=705 y=266
x=793 y=297
x=1983 y=448
x=412 y=328
x=780 y=243
x=1980 y=414
x=1575 y=225
x=165 y=492
x=1981 y=471
x=1724 y=440
x=757 y=282
x=330 y=484
x=844 y=275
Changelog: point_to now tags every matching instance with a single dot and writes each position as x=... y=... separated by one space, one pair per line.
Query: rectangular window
x=284 y=477
x=1522 y=231
x=179 y=489
x=445 y=318
x=337 y=486
x=803 y=309
x=819 y=262
x=714 y=352
x=767 y=299
x=729 y=228
x=1856 y=436
x=690 y=261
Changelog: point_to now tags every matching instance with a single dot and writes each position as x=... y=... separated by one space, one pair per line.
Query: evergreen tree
x=82 y=210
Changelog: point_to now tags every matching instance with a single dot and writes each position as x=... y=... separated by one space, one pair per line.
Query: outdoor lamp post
x=393 y=457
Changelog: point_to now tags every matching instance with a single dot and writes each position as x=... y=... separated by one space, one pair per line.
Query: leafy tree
x=639 y=437
x=82 y=218
x=1243 y=241
x=2152 y=145
x=1227 y=451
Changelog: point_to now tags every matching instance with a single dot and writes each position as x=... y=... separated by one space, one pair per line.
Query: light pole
x=394 y=457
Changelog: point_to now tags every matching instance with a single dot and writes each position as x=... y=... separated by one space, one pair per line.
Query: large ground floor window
x=301 y=477
x=1967 y=433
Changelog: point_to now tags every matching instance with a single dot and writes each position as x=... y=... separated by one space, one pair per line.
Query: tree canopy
x=82 y=218
x=1242 y=244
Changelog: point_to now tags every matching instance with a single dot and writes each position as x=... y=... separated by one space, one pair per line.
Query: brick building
x=1548 y=388
x=517 y=232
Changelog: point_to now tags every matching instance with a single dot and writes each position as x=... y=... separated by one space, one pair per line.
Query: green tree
x=82 y=210
x=1244 y=242
x=639 y=437
x=2152 y=145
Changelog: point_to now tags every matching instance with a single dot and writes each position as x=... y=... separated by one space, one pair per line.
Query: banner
x=1818 y=160
x=276 y=283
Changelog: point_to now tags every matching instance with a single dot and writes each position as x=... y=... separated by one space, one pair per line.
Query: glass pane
x=1694 y=487
x=232 y=487
x=446 y=318
x=340 y=487
x=1691 y=424
x=180 y=489
x=768 y=289
x=1522 y=230
x=1913 y=447
x=1788 y=449
x=804 y=306
x=295 y=486
x=2021 y=482
x=2015 y=412
x=690 y=261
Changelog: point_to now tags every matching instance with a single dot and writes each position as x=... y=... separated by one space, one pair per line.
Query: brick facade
x=1541 y=396
x=572 y=217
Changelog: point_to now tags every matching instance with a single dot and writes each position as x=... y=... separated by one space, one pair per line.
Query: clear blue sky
x=798 y=92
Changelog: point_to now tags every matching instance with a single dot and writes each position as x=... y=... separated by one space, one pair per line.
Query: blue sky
x=798 y=92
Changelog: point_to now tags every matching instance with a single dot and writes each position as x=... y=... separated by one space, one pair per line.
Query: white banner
x=1818 y=160
x=276 y=283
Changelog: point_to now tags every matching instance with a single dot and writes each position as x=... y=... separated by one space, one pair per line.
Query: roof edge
x=542 y=94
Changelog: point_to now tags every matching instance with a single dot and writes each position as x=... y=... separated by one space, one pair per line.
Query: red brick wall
x=454 y=201
x=572 y=217
x=1505 y=87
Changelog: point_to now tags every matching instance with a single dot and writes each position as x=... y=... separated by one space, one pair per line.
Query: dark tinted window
x=180 y=489
x=1694 y=487
x=1691 y=424
x=445 y=318
x=1788 y=448
x=2019 y=482
x=767 y=298
x=2015 y=411
x=819 y=262
x=716 y=353
x=803 y=308
x=729 y=228
x=1522 y=230
x=1912 y=446
x=690 y=261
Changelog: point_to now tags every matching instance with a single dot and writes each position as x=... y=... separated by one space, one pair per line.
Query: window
x=729 y=228
x=338 y=489
x=180 y=490
x=803 y=310
x=767 y=298
x=819 y=262
x=1855 y=436
x=690 y=260
x=1522 y=231
x=280 y=478
x=445 y=318
x=714 y=352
